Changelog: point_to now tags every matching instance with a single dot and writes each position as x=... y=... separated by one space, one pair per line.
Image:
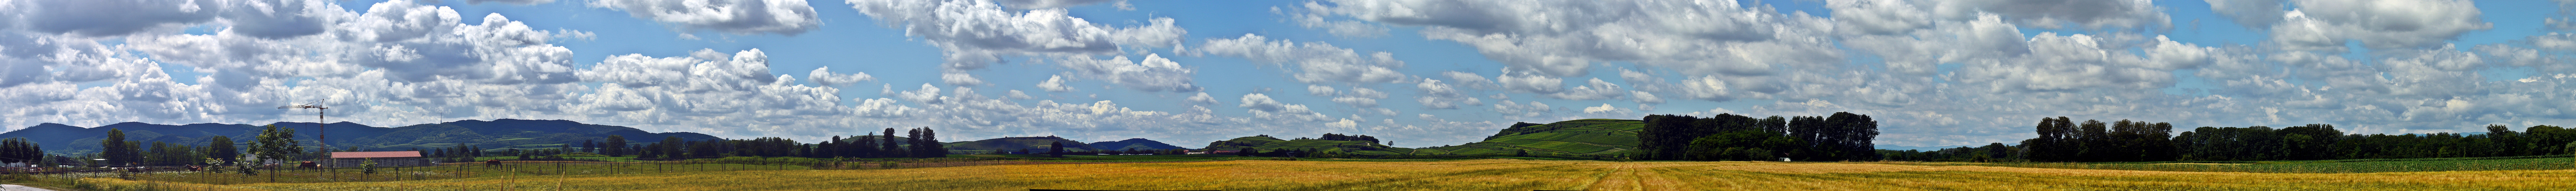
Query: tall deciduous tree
x=1055 y=149
x=221 y=148
x=829 y=148
x=616 y=146
x=275 y=144
x=2094 y=137
x=671 y=146
x=19 y=150
x=926 y=145
x=116 y=150
x=889 y=149
x=867 y=147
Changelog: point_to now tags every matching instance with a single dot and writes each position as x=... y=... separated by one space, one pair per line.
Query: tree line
x=1838 y=137
x=921 y=143
x=118 y=151
x=2063 y=140
x=1341 y=137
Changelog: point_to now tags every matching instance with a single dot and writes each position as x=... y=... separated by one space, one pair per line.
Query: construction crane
x=320 y=118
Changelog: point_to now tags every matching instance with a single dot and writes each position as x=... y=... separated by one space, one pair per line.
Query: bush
x=369 y=166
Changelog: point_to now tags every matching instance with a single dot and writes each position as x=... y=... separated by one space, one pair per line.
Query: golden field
x=1489 y=174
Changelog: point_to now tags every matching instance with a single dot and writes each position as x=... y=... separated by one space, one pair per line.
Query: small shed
x=382 y=158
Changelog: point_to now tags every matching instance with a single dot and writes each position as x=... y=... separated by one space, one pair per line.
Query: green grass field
x=1575 y=138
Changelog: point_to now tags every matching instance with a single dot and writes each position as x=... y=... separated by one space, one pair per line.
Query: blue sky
x=1419 y=72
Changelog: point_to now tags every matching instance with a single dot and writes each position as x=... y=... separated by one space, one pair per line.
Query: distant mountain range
x=1134 y=143
x=495 y=134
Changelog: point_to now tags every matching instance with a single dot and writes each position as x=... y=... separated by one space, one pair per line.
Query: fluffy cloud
x=2050 y=14
x=1313 y=62
x=788 y=17
x=1153 y=74
x=1202 y=99
x=1470 y=80
x=111 y=18
x=1986 y=38
x=498 y=51
x=1361 y=97
x=1530 y=82
x=2378 y=24
x=2063 y=63
x=1321 y=90
x=976 y=33
x=1312 y=19
x=1878 y=17
x=1438 y=95
x=694 y=89
x=1049 y=4
x=1263 y=107
x=709 y=70
x=409 y=63
x=1593 y=90
x=824 y=76
x=1054 y=84
x=521 y=2
x=1518 y=110
x=1604 y=109
x=282 y=18
x=2250 y=13
x=1565 y=38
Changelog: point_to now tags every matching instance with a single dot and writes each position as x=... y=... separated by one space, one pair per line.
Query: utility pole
x=320 y=119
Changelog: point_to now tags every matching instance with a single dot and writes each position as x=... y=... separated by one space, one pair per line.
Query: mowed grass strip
x=1486 y=175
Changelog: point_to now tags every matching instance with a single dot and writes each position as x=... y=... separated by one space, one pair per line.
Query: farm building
x=382 y=158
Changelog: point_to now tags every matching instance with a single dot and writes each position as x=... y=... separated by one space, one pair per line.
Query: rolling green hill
x=1008 y=144
x=1133 y=143
x=1268 y=144
x=1575 y=138
x=1603 y=138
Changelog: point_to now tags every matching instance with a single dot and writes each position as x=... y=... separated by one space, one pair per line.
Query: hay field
x=1490 y=174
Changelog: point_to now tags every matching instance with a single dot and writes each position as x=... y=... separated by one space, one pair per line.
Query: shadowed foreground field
x=1492 y=174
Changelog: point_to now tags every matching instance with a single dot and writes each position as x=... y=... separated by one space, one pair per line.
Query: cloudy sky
x=1418 y=72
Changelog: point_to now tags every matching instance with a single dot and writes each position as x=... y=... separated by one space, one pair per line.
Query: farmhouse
x=382 y=158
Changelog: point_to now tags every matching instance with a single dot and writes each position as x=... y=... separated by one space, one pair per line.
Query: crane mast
x=321 y=119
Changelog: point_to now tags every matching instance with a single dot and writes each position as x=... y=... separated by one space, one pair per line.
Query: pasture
x=1481 y=174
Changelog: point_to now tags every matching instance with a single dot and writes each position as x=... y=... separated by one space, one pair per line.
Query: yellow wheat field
x=1498 y=174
